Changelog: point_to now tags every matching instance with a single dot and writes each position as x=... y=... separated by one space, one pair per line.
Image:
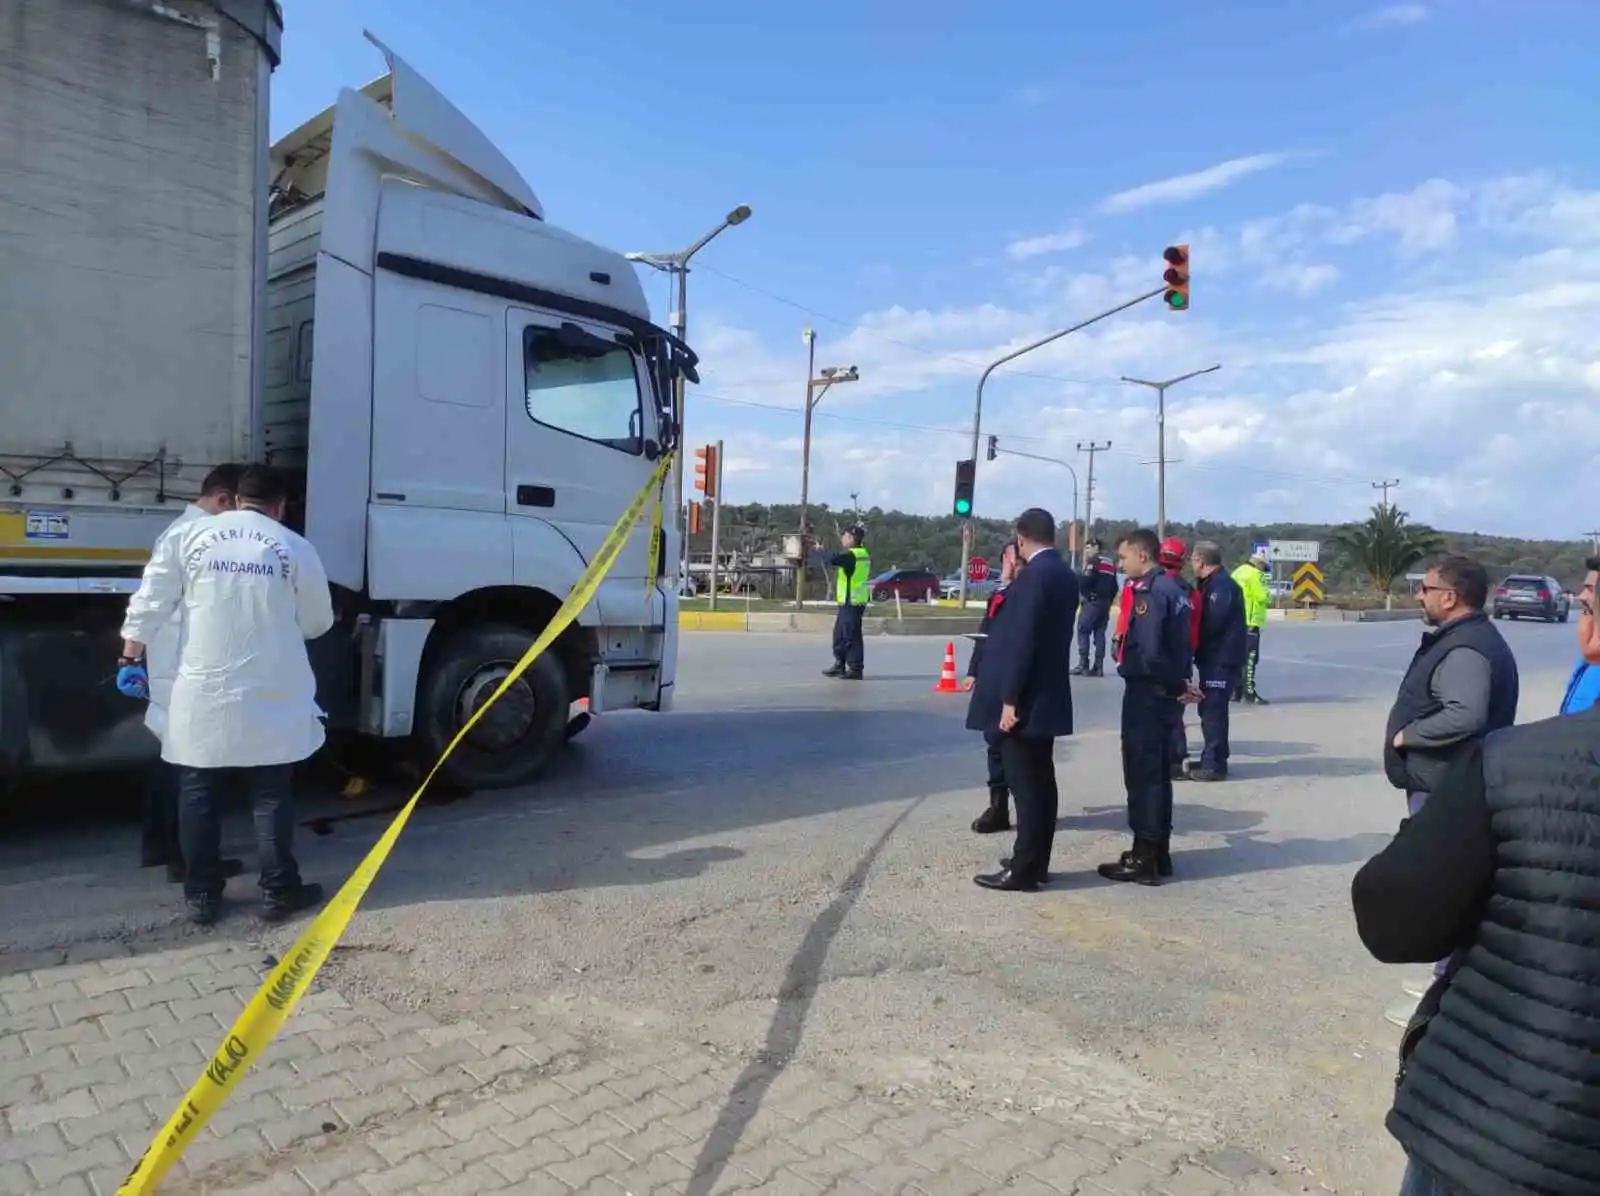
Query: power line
x=889 y=340
x=934 y=429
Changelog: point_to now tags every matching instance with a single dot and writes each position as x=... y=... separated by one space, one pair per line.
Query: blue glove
x=133 y=681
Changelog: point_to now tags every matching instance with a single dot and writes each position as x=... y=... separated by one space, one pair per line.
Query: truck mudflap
x=59 y=707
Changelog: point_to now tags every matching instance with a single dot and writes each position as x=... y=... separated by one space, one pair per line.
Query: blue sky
x=1394 y=209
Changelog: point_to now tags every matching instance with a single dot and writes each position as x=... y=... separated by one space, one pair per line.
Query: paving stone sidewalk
x=357 y=1099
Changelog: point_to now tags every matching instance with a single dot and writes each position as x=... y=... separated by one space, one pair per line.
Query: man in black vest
x=1500 y=1067
x=1461 y=685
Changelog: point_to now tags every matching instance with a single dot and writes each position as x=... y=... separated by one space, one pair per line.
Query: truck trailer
x=467 y=396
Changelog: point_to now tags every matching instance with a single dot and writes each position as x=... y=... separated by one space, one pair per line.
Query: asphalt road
x=781 y=833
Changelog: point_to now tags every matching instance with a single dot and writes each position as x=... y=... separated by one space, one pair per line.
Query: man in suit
x=997 y=817
x=1023 y=694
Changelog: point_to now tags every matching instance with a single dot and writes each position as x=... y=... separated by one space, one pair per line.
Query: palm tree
x=1386 y=546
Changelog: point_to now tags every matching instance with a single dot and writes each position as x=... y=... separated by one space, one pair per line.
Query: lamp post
x=1161 y=436
x=676 y=266
x=824 y=378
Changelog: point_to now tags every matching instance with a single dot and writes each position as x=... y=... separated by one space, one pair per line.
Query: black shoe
x=1097 y=671
x=1180 y=771
x=230 y=868
x=851 y=674
x=836 y=671
x=1208 y=774
x=1253 y=699
x=995 y=819
x=1078 y=670
x=1140 y=866
x=285 y=903
x=152 y=857
x=1006 y=881
x=204 y=909
x=1164 y=859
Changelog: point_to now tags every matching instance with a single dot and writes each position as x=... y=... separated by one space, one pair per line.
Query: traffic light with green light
x=966 y=479
x=1176 y=277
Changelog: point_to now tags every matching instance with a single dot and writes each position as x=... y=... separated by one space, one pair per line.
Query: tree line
x=1356 y=557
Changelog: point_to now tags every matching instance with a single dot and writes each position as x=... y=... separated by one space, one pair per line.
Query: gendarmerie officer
x=1218 y=658
x=1097 y=588
x=1154 y=663
x=1172 y=556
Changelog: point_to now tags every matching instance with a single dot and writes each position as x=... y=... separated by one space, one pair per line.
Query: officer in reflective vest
x=852 y=588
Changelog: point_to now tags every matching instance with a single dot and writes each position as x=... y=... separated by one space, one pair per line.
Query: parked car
x=950 y=587
x=1529 y=595
x=909 y=585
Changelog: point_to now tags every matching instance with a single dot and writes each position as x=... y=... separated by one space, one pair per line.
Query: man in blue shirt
x=1583 y=690
x=1154 y=659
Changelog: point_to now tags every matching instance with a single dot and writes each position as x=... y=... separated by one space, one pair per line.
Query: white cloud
x=1393 y=16
x=1190 y=186
x=1467 y=375
x=1031 y=247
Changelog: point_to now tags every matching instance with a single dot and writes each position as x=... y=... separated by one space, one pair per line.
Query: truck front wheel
x=517 y=737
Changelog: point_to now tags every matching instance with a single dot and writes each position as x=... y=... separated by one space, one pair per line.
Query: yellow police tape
x=272 y=1004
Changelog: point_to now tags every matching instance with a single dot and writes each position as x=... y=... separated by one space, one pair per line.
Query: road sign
x=1261 y=549
x=978 y=569
x=1308 y=583
x=1294 y=550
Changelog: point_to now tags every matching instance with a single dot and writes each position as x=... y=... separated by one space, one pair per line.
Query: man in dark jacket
x=997 y=817
x=1500 y=1094
x=1154 y=660
x=1172 y=557
x=1461 y=684
x=1023 y=693
x=1218 y=657
x=1097 y=587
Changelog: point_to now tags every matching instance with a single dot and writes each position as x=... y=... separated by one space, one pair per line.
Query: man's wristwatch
x=125 y=661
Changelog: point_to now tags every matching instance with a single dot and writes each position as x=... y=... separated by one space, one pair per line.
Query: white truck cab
x=471 y=398
x=475 y=397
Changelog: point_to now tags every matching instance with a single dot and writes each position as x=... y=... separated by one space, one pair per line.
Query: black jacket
x=991 y=612
x=1097 y=584
x=1222 y=629
x=1448 y=699
x=1157 y=645
x=1501 y=1096
x=1028 y=655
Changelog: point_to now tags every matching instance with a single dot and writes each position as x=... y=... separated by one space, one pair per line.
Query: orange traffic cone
x=947 y=675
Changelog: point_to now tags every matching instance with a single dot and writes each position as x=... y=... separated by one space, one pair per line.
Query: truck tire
x=517 y=738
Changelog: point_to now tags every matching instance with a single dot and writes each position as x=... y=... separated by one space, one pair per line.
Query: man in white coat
x=160 y=836
x=243 y=702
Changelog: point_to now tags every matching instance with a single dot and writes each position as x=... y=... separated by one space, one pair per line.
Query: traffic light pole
x=716 y=529
x=995 y=448
x=977 y=407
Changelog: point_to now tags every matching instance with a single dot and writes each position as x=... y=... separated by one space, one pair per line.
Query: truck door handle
x=536 y=496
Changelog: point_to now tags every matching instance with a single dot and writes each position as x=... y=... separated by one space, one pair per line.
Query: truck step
x=630 y=665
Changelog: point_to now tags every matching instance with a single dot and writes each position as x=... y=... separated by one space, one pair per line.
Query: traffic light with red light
x=966 y=480
x=705 y=470
x=1176 y=278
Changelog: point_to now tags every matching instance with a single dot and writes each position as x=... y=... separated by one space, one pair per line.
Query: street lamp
x=824 y=378
x=676 y=265
x=1161 y=436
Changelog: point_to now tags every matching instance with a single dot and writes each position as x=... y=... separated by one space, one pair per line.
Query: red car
x=909 y=585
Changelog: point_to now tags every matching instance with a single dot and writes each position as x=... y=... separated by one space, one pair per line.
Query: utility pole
x=1088 y=495
x=828 y=376
x=676 y=267
x=1594 y=542
x=1161 y=389
x=716 y=529
x=1386 y=485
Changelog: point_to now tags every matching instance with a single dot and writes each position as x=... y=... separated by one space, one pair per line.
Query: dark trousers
x=1179 y=738
x=998 y=791
x=1419 y=1181
x=1216 y=687
x=1246 y=683
x=1030 y=772
x=159 y=833
x=200 y=826
x=849 y=649
x=1092 y=620
x=1148 y=712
